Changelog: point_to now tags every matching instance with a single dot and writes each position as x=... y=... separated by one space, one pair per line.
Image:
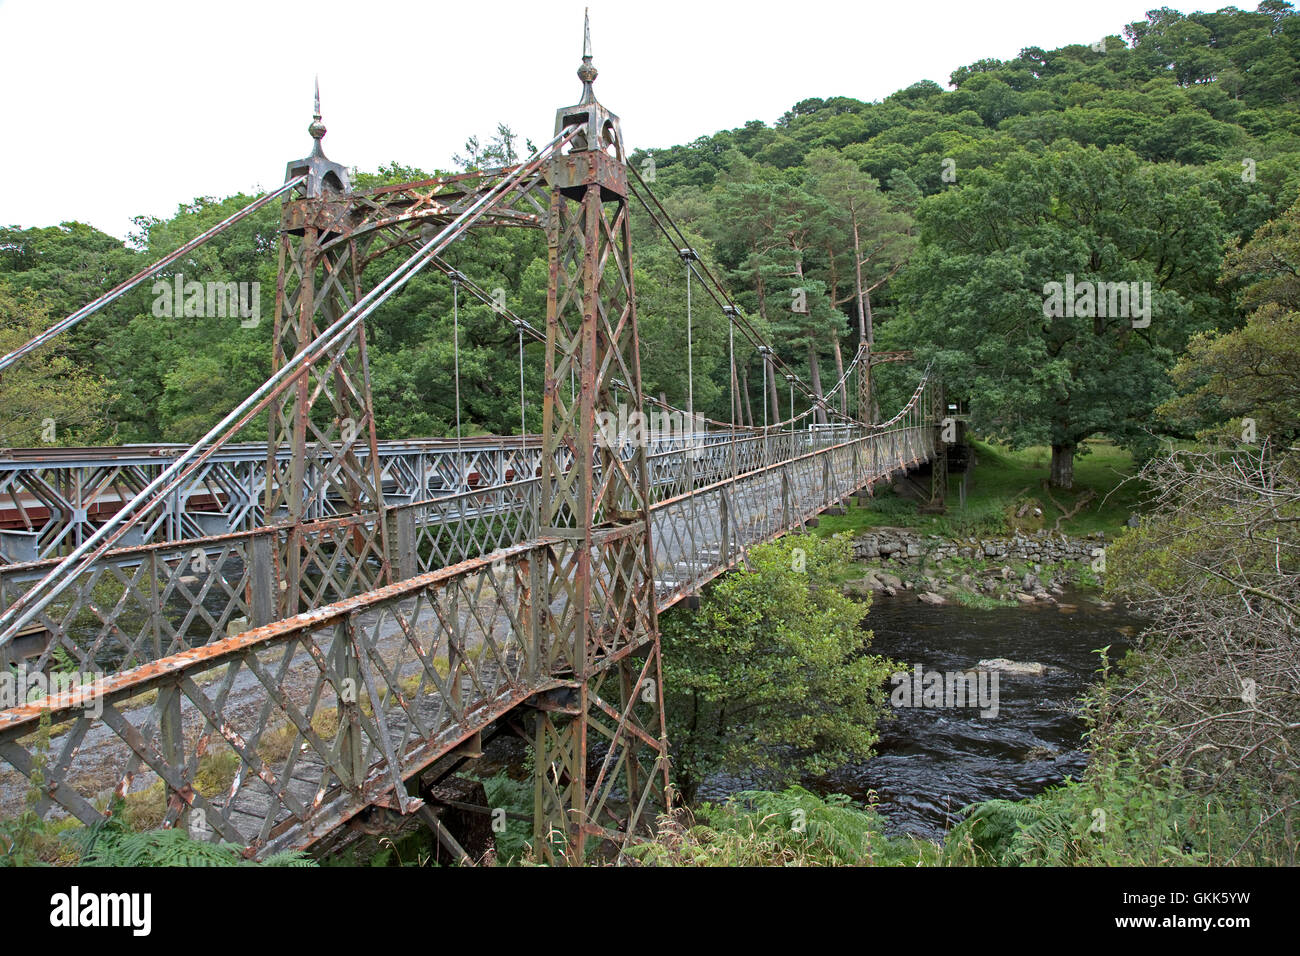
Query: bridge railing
x=53 y=499
x=272 y=737
x=145 y=602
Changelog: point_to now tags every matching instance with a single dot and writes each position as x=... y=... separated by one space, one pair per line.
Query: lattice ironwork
x=298 y=635
x=595 y=500
x=325 y=419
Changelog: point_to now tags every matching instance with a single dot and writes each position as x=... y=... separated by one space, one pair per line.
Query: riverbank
x=1007 y=494
x=977 y=571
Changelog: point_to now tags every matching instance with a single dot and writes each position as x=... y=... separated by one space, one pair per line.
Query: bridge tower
x=601 y=757
x=326 y=418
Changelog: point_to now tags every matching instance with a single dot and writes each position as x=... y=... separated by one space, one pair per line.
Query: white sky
x=117 y=108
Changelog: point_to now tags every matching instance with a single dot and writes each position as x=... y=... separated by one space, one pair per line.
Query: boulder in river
x=1031 y=668
x=889 y=580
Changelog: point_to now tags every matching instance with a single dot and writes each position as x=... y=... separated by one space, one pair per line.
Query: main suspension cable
x=718 y=293
x=461 y=483
x=25 y=608
x=90 y=308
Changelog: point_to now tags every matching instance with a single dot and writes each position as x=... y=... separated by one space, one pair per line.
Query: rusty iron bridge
x=292 y=638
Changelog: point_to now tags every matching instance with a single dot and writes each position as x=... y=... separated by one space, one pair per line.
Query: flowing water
x=931 y=762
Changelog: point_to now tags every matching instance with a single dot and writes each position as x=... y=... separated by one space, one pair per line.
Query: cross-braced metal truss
x=296 y=635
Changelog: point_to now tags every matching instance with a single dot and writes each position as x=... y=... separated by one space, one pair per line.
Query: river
x=932 y=762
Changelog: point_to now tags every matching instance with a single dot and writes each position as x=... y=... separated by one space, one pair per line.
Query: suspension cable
x=539 y=336
x=25 y=608
x=763 y=351
x=122 y=288
x=687 y=256
x=523 y=422
x=461 y=484
x=731 y=360
x=719 y=294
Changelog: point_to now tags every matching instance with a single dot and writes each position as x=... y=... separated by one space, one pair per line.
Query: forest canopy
x=931 y=220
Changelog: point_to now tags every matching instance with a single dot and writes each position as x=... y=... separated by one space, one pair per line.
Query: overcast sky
x=116 y=109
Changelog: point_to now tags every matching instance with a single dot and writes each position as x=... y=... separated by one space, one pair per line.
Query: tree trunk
x=770 y=372
x=745 y=408
x=819 y=415
x=839 y=374
x=1063 y=466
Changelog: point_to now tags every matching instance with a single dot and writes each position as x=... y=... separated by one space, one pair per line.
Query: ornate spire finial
x=586 y=72
x=323 y=176
x=317 y=128
x=599 y=127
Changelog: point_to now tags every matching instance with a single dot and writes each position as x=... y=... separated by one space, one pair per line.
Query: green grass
x=1003 y=479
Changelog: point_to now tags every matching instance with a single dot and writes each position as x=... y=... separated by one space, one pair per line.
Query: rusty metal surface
x=255 y=699
x=352 y=624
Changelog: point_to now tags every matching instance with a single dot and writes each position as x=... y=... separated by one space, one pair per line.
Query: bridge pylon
x=327 y=417
x=601 y=758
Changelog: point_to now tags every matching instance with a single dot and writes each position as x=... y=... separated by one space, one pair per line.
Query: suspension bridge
x=294 y=640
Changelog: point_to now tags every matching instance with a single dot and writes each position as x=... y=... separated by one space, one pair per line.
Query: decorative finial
x=317 y=128
x=323 y=176
x=586 y=72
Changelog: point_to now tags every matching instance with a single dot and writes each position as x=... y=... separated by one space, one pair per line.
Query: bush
x=793 y=827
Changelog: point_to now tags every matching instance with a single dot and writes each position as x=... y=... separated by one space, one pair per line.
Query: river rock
x=1024 y=598
x=1031 y=668
x=861 y=587
x=929 y=597
x=889 y=580
x=868 y=546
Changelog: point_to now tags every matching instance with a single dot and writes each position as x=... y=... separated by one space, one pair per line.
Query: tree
x=45 y=398
x=1037 y=369
x=1211 y=687
x=501 y=150
x=871 y=240
x=775 y=237
x=1252 y=372
x=769 y=677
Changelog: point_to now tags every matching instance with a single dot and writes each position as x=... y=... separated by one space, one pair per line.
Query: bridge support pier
x=939 y=459
x=326 y=419
x=598 y=593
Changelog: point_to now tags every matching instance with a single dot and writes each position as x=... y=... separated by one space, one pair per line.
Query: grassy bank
x=1004 y=482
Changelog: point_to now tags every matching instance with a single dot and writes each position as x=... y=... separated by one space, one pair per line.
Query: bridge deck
x=283 y=732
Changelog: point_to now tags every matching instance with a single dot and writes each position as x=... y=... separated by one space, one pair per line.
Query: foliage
x=516 y=796
x=974 y=293
x=1122 y=164
x=1251 y=372
x=1216 y=564
x=111 y=842
x=1001 y=477
x=47 y=398
x=23 y=837
x=770 y=676
x=793 y=827
x=1126 y=812
x=1122 y=816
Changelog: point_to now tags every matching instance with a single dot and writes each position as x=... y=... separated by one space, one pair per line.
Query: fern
x=792 y=827
x=110 y=842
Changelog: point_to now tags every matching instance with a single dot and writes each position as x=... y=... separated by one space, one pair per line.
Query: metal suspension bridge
x=292 y=638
